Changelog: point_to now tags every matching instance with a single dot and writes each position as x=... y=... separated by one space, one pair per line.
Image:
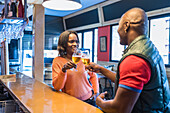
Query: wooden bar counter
x=38 y=97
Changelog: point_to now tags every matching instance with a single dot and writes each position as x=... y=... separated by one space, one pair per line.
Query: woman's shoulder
x=58 y=59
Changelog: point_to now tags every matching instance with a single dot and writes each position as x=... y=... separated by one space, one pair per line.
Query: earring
x=125 y=31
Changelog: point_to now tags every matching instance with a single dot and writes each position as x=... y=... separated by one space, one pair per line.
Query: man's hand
x=100 y=98
x=93 y=67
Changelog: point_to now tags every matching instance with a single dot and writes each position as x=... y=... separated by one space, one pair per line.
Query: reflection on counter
x=7 y=102
x=8 y=78
x=40 y=98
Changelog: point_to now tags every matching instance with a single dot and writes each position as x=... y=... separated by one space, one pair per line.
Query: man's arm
x=109 y=74
x=123 y=102
x=100 y=69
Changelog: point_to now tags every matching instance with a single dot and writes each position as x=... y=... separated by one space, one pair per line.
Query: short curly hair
x=62 y=43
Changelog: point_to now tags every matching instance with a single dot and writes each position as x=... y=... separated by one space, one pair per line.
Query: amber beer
x=76 y=59
x=85 y=61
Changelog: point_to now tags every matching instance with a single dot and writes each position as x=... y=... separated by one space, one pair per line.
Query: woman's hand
x=94 y=96
x=68 y=65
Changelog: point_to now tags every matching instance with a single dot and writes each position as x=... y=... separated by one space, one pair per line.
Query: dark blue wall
x=87 y=18
x=114 y=11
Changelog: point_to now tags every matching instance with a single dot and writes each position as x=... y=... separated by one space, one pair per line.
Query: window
x=95 y=44
x=88 y=40
x=80 y=39
x=26 y=65
x=116 y=48
x=159 y=34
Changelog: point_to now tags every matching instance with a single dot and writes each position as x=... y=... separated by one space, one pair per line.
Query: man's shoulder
x=135 y=60
x=131 y=58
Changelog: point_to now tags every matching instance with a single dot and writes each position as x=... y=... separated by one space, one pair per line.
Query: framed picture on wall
x=103 y=44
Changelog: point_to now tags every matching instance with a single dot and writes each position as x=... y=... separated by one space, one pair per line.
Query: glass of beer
x=85 y=57
x=76 y=57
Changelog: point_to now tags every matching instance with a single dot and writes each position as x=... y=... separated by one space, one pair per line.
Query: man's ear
x=126 y=26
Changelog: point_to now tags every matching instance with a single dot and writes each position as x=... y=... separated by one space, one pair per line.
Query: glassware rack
x=10 y=28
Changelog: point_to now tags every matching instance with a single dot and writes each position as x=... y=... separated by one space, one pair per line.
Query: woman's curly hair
x=62 y=43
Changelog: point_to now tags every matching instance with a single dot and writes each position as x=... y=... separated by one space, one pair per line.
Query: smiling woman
x=70 y=77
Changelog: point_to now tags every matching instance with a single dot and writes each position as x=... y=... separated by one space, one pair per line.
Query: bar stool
x=107 y=87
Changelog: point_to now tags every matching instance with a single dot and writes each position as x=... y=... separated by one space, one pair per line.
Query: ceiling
x=85 y=4
x=53 y=19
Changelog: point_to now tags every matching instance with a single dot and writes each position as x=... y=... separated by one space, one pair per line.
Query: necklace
x=67 y=59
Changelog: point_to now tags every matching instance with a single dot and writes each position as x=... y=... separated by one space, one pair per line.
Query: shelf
x=13 y=21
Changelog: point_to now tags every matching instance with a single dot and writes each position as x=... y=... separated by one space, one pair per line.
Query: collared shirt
x=134 y=73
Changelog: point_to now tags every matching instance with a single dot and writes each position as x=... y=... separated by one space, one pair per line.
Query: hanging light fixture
x=62 y=4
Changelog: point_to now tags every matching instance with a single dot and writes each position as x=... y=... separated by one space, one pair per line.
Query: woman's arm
x=95 y=84
x=94 y=81
x=59 y=72
x=58 y=76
